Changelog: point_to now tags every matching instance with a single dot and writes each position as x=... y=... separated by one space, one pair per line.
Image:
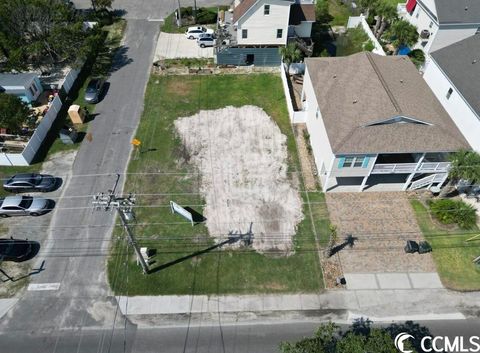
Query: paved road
x=76 y=258
x=207 y=339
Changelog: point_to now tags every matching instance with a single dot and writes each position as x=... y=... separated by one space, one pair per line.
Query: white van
x=195 y=32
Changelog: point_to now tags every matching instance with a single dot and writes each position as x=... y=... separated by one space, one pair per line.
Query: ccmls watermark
x=457 y=344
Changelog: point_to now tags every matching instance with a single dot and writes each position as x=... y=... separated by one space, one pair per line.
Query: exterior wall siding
x=322 y=151
x=262 y=29
x=304 y=29
x=238 y=56
x=463 y=116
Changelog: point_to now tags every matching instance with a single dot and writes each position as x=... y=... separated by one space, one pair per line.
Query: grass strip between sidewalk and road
x=452 y=254
x=219 y=271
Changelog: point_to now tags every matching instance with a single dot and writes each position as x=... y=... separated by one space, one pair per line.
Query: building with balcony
x=374 y=124
x=441 y=22
x=252 y=32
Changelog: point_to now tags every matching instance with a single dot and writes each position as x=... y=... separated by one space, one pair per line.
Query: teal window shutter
x=365 y=162
x=341 y=162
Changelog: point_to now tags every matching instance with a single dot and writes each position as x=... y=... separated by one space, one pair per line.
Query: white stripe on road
x=43 y=286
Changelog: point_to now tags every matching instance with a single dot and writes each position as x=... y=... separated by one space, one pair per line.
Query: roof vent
x=474 y=61
x=401 y=81
x=334 y=76
x=355 y=101
x=466 y=8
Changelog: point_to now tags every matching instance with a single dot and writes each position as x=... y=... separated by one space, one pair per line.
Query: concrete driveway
x=381 y=223
x=176 y=45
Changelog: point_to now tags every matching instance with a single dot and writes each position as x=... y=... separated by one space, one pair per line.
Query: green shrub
x=205 y=16
x=186 y=11
x=454 y=212
x=368 y=46
x=417 y=56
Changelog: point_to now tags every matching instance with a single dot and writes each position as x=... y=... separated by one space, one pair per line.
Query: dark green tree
x=39 y=33
x=101 y=4
x=361 y=339
x=290 y=54
x=403 y=33
x=322 y=12
x=13 y=113
x=464 y=165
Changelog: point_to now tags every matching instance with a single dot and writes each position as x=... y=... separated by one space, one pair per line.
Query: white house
x=375 y=124
x=453 y=74
x=442 y=22
x=259 y=27
x=26 y=86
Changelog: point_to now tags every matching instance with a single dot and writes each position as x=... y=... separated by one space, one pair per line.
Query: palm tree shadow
x=349 y=241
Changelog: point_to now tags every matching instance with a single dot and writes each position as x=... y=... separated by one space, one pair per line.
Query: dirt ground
x=242 y=156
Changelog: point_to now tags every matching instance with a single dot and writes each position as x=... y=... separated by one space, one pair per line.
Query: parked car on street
x=94 y=90
x=30 y=182
x=195 y=32
x=24 y=206
x=206 y=41
x=18 y=250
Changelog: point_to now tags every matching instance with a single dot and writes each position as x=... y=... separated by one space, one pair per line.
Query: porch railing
x=405 y=168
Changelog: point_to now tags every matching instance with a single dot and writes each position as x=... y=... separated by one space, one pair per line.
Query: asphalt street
x=206 y=339
x=76 y=256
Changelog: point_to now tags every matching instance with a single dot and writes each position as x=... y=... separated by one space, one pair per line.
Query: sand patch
x=242 y=156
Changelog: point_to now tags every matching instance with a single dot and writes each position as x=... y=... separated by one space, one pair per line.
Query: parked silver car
x=196 y=32
x=206 y=41
x=24 y=206
x=94 y=90
x=25 y=182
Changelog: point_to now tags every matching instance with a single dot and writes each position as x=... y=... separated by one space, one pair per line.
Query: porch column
x=410 y=177
x=329 y=172
x=370 y=168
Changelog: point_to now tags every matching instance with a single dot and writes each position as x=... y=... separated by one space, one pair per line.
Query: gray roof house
x=453 y=74
x=442 y=22
x=375 y=124
x=26 y=86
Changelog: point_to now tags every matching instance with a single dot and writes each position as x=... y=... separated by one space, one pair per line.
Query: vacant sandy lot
x=242 y=156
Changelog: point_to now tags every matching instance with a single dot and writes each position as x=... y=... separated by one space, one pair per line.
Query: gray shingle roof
x=21 y=79
x=458 y=63
x=458 y=11
x=364 y=88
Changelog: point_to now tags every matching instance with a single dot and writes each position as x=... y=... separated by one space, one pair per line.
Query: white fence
x=27 y=155
x=355 y=21
x=295 y=116
x=69 y=80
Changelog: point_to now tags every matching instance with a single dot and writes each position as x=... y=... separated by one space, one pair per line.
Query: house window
x=244 y=33
x=431 y=24
x=418 y=14
x=358 y=162
x=279 y=33
x=449 y=93
x=31 y=91
x=353 y=162
x=34 y=87
x=478 y=31
x=266 y=10
x=317 y=113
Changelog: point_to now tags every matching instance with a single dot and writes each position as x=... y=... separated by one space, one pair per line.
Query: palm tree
x=387 y=13
x=367 y=5
x=464 y=165
x=403 y=33
x=290 y=54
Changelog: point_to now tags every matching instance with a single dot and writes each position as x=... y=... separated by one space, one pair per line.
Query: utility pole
x=179 y=15
x=123 y=205
x=195 y=10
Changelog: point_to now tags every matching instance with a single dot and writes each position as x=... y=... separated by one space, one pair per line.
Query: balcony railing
x=405 y=168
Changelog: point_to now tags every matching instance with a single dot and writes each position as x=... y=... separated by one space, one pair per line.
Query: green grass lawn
x=218 y=271
x=453 y=256
x=339 y=12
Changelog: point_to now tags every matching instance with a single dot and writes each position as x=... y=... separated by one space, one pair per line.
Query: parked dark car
x=18 y=250
x=24 y=206
x=30 y=182
x=94 y=90
x=411 y=247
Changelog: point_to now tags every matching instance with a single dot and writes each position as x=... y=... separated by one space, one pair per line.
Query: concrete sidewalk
x=383 y=305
